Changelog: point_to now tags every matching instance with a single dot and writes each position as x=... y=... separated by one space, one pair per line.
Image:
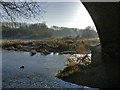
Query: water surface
x=39 y=70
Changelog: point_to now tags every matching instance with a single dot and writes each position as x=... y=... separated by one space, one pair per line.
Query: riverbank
x=45 y=47
x=92 y=75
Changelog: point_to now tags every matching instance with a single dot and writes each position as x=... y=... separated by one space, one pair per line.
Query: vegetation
x=91 y=76
x=69 y=70
x=12 y=11
x=41 y=31
x=46 y=46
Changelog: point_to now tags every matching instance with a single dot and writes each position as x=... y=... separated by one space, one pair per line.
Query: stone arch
x=106 y=17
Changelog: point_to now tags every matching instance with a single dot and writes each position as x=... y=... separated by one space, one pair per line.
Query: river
x=38 y=72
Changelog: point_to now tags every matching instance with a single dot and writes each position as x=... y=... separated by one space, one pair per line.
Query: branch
x=4 y=7
x=21 y=9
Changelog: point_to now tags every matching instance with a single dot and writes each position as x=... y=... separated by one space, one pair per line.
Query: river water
x=39 y=70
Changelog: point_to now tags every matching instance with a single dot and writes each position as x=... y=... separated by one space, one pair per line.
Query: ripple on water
x=39 y=71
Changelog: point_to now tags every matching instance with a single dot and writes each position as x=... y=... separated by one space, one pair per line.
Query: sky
x=66 y=14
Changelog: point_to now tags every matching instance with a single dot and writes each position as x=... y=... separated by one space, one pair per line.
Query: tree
x=12 y=10
x=89 y=32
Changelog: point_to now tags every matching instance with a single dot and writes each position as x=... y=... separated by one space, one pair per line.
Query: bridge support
x=106 y=17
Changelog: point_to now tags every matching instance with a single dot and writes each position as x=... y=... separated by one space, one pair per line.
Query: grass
x=55 y=45
x=68 y=52
x=69 y=70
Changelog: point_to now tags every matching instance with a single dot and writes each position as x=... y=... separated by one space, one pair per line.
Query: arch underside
x=106 y=18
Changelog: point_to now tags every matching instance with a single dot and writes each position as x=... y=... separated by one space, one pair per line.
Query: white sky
x=63 y=13
x=67 y=14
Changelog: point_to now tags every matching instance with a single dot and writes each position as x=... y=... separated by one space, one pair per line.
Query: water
x=38 y=63
x=39 y=71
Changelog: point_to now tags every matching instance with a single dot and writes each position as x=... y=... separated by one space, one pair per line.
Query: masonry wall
x=106 y=17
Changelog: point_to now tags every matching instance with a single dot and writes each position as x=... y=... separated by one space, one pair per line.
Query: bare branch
x=14 y=10
x=4 y=7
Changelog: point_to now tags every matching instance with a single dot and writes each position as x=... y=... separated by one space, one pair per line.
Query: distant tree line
x=41 y=31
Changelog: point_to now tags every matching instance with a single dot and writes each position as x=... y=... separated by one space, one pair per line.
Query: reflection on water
x=38 y=71
x=13 y=60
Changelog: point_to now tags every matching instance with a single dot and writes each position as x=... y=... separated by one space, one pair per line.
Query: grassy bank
x=45 y=47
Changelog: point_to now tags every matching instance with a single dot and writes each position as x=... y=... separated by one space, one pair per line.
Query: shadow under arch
x=106 y=18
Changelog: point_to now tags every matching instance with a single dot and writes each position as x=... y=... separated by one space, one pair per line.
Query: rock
x=10 y=48
x=45 y=52
x=33 y=44
x=25 y=48
x=15 y=49
x=19 y=46
x=22 y=67
x=33 y=52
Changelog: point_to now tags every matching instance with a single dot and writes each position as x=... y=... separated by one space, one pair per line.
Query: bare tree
x=13 y=10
